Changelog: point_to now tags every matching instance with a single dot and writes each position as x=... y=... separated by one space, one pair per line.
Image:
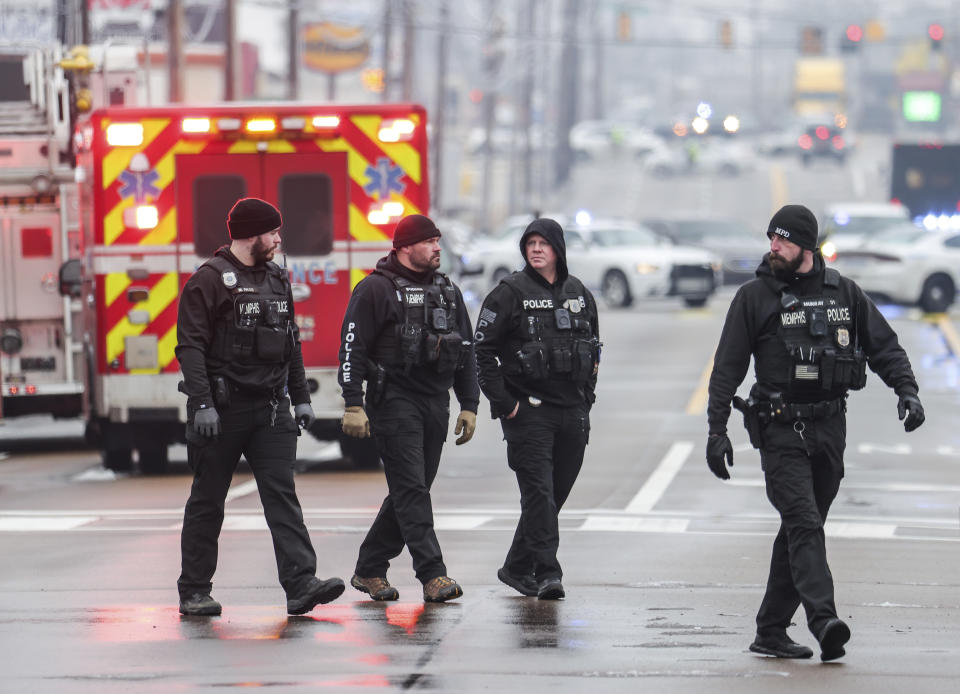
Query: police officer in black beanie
x=407 y=333
x=538 y=352
x=811 y=333
x=239 y=351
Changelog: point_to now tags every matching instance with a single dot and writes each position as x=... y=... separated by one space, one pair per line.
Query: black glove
x=719 y=450
x=304 y=415
x=206 y=422
x=910 y=407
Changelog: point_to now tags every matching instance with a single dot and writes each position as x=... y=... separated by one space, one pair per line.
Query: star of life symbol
x=138 y=180
x=385 y=177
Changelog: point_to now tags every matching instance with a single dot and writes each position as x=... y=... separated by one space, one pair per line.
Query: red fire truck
x=157 y=184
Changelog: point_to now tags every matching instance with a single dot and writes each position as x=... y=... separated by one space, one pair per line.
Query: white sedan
x=907 y=265
x=622 y=261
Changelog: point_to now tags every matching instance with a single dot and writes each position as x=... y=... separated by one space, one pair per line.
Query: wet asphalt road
x=664 y=565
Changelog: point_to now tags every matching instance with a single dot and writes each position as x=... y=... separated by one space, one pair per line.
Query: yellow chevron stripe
x=162 y=295
x=115 y=284
x=164 y=233
x=166 y=346
x=355 y=276
x=113 y=221
x=250 y=146
x=402 y=153
x=118 y=158
x=165 y=165
x=356 y=164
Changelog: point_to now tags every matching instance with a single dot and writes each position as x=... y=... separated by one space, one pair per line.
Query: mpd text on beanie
x=797 y=224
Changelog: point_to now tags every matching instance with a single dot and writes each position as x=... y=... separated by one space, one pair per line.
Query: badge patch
x=572 y=305
x=843 y=337
x=229 y=279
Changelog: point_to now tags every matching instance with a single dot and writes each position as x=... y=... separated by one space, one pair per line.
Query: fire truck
x=40 y=361
x=157 y=185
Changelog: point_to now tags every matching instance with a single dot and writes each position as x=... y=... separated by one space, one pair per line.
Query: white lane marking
x=35 y=523
x=634 y=525
x=445 y=522
x=657 y=483
x=888 y=487
x=895 y=449
x=242 y=489
x=244 y=523
x=859 y=530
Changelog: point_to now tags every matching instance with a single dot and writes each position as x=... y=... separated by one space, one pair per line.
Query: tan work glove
x=466 y=422
x=355 y=422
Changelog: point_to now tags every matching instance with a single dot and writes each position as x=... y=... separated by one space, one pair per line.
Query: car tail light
x=805 y=141
x=838 y=142
x=822 y=132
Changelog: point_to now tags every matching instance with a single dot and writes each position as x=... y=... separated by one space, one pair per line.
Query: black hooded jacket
x=751 y=329
x=203 y=301
x=501 y=318
x=374 y=309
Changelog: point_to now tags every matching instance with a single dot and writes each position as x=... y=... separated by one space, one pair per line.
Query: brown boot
x=441 y=589
x=378 y=588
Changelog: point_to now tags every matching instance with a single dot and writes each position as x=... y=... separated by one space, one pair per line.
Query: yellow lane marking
x=778 y=186
x=949 y=333
x=698 y=401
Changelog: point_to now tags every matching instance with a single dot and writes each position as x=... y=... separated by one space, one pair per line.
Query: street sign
x=334 y=48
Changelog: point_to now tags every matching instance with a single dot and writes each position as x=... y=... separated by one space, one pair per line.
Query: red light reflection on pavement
x=405 y=615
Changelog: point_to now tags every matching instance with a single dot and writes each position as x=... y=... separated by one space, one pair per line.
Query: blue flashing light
x=841 y=219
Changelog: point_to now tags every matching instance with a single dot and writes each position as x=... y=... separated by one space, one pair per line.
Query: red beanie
x=414 y=228
x=251 y=217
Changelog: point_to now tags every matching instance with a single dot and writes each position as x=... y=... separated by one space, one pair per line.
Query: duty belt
x=791 y=412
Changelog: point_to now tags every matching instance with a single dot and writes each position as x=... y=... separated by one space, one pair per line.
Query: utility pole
x=387 y=31
x=439 y=120
x=492 y=58
x=521 y=175
x=293 y=50
x=569 y=85
x=409 y=32
x=85 y=22
x=230 y=51
x=599 y=61
x=175 y=51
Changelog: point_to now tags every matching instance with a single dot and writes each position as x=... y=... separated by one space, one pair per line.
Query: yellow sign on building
x=333 y=48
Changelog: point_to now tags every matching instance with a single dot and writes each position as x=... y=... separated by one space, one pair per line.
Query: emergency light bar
x=326 y=122
x=396 y=130
x=293 y=123
x=195 y=125
x=125 y=134
x=261 y=125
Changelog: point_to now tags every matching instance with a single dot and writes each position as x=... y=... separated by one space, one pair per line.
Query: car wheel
x=937 y=294
x=616 y=290
x=695 y=301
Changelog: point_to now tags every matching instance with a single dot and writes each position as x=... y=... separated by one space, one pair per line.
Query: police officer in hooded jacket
x=811 y=333
x=538 y=351
x=406 y=332
x=239 y=351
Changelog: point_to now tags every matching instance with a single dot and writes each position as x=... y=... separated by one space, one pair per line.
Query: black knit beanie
x=797 y=224
x=251 y=217
x=412 y=229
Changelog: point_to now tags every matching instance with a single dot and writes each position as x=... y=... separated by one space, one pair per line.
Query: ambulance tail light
x=385 y=213
x=195 y=125
x=326 y=123
x=261 y=125
x=396 y=130
x=141 y=217
x=125 y=134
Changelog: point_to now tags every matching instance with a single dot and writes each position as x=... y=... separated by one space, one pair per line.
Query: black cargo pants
x=271 y=451
x=545 y=447
x=409 y=430
x=802 y=477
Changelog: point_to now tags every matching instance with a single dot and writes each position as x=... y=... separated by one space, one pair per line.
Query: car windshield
x=900 y=235
x=623 y=236
x=695 y=231
x=860 y=225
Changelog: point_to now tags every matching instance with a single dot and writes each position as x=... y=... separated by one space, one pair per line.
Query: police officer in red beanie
x=811 y=334
x=239 y=351
x=407 y=333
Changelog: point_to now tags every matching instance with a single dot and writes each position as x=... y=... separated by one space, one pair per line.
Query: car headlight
x=646 y=268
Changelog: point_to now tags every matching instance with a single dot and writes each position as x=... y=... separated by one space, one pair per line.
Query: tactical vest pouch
x=450 y=351
x=561 y=360
x=411 y=343
x=271 y=342
x=533 y=361
x=243 y=348
x=584 y=357
x=850 y=370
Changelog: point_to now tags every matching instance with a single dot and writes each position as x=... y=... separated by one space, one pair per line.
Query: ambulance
x=156 y=186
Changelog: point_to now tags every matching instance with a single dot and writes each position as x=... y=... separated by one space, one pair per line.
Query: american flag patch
x=488 y=315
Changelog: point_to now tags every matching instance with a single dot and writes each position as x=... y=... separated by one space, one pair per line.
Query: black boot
x=780 y=647
x=834 y=634
x=199 y=605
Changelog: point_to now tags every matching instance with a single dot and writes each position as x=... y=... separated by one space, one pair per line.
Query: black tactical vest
x=819 y=333
x=259 y=329
x=429 y=335
x=555 y=340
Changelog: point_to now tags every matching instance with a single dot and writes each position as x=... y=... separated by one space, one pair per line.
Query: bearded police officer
x=407 y=333
x=538 y=350
x=812 y=333
x=239 y=351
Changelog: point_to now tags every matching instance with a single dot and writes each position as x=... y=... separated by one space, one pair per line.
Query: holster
x=376 y=383
x=756 y=416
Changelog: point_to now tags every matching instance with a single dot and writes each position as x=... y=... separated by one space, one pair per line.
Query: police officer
x=239 y=351
x=407 y=333
x=811 y=333
x=538 y=350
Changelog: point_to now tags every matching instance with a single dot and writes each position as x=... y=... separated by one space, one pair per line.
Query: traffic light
x=850 y=42
x=935 y=32
x=624 y=28
x=726 y=33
